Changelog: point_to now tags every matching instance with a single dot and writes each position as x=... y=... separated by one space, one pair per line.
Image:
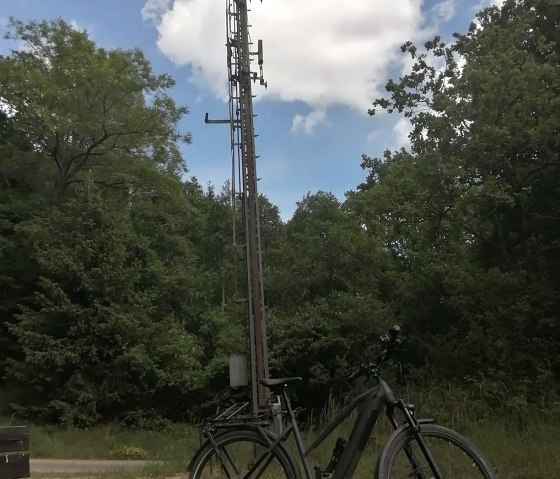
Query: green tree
x=83 y=108
x=325 y=250
x=105 y=335
x=100 y=284
x=272 y=228
x=324 y=339
x=471 y=212
x=328 y=285
x=20 y=177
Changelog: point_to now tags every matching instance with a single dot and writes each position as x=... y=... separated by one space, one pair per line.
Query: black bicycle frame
x=369 y=405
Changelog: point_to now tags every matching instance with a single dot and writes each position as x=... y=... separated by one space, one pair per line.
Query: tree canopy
x=120 y=286
x=471 y=210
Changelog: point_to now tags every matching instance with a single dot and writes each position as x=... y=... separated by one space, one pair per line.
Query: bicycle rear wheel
x=453 y=455
x=243 y=454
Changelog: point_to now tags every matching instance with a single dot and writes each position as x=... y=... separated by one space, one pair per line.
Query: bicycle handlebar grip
x=395 y=331
x=354 y=375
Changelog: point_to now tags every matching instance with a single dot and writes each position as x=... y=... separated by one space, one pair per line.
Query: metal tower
x=244 y=180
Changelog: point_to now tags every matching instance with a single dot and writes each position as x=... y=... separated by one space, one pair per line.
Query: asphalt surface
x=82 y=465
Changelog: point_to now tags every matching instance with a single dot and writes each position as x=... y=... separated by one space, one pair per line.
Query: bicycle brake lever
x=354 y=375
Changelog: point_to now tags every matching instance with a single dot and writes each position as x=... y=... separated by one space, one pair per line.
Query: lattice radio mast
x=244 y=180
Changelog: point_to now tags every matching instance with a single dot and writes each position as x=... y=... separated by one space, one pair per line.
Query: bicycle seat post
x=297 y=434
x=276 y=409
x=278 y=386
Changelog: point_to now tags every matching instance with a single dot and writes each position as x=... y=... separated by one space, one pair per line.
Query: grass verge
x=516 y=453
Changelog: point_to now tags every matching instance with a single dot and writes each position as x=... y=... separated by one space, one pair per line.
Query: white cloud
x=320 y=52
x=482 y=4
x=309 y=121
x=192 y=32
x=445 y=10
x=82 y=28
x=154 y=9
x=74 y=24
x=402 y=129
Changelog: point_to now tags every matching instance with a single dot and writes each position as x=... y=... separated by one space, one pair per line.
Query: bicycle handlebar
x=389 y=343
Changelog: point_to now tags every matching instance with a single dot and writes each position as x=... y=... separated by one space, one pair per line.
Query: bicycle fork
x=408 y=411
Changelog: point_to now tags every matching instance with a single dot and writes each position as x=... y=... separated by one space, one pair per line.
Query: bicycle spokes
x=450 y=461
x=241 y=460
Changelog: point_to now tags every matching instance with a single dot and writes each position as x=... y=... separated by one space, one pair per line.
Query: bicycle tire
x=454 y=455
x=238 y=449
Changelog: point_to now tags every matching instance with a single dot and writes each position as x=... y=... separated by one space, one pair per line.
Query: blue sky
x=324 y=60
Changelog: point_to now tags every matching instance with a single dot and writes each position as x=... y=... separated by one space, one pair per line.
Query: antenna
x=244 y=192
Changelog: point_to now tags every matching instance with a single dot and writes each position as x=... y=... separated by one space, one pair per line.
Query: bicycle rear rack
x=231 y=412
x=238 y=414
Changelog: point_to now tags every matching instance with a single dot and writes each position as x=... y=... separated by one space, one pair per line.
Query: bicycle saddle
x=273 y=383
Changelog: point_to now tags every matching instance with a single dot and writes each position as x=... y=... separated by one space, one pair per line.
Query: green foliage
x=328 y=335
x=325 y=251
x=471 y=213
x=96 y=340
x=84 y=108
x=98 y=302
x=121 y=292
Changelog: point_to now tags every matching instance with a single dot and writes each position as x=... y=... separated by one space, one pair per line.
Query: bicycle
x=242 y=446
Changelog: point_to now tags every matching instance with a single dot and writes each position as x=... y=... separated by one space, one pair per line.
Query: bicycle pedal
x=320 y=473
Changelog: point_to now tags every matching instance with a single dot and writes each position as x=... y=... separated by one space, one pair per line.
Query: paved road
x=82 y=465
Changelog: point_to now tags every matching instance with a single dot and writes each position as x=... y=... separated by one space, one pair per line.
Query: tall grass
x=520 y=441
x=521 y=444
x=174 y=443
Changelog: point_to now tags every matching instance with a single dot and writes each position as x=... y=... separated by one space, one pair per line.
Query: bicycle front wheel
x=452 y=454
x=243 y=454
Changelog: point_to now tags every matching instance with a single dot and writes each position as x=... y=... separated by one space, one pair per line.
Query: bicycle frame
x=345 y=456
x=369 y=405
